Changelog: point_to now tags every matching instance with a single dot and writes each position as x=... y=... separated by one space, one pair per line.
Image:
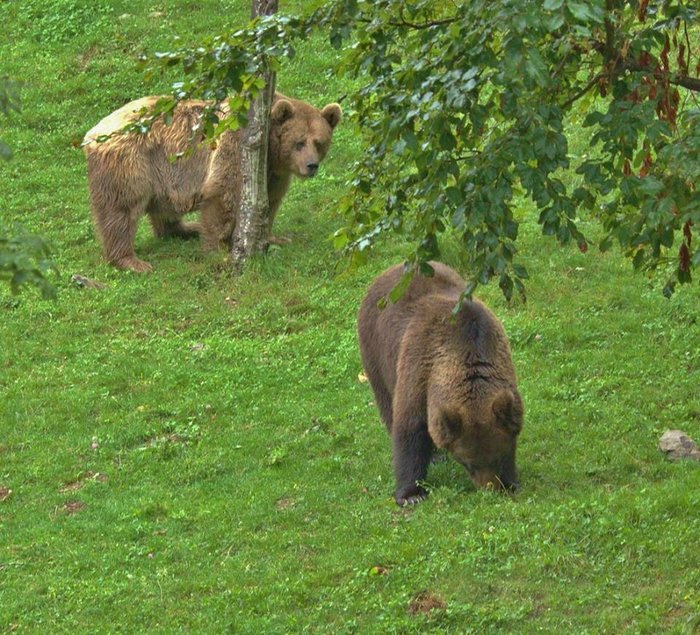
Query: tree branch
x=592 y=82
x=412 y=25
x=691 y=83
x=609 y=49
x=422 y=25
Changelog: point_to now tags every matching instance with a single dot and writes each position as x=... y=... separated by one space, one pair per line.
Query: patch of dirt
x=73 y=507
x=285 y=503
x=74 y=486
x=4 y=494
x=160 y=439
x=71 y=487
x=83 y=59
x=425 y=602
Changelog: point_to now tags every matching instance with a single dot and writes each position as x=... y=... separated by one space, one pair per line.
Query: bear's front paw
x=410 y=495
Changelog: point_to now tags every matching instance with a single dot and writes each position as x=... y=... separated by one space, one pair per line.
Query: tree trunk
x=250 y=235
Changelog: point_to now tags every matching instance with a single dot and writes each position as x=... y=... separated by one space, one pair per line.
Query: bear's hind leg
x=164 y=227
x=167 y=223
x=216 y=226
x=117 y=229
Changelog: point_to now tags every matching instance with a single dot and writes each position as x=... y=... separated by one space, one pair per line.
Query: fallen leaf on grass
x=378 y=570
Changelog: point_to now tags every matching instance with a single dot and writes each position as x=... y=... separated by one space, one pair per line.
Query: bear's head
x=300 y=136
x=481 y=433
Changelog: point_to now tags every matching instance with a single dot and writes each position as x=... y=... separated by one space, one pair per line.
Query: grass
x=189 y=451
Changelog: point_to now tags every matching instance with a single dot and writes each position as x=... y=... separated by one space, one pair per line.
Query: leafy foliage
x=468 y=106
x=24 y=258
x=224 y=68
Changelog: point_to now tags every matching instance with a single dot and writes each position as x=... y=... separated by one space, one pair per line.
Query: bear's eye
x=299 y=145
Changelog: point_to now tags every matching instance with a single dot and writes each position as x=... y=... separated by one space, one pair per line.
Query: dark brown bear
x=441 y=380
x=131 y=174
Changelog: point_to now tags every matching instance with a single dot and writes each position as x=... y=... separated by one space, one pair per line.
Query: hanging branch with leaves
x=467 y=108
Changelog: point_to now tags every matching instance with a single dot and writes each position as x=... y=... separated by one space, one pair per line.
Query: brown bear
x=440 y=380
x=133 y=174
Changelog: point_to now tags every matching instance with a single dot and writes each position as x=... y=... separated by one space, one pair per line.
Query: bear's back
x=115 y=121
x=425 y=306
x=172 y=137
x=421 y=326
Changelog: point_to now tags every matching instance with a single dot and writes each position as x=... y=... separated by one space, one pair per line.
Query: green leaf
x=447 y=141
x=401 y=286
x=552 y=5
x=584 y=11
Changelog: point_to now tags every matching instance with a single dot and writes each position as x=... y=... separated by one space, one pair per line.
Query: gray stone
x=85 y=283
x=678 y=445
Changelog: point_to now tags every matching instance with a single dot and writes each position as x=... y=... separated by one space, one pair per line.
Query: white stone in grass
x=678 y=445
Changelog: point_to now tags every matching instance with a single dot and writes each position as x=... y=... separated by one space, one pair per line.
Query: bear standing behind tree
x=440 y=380
x=167 y=172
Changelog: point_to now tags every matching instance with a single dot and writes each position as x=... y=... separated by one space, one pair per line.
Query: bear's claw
x=411 y=496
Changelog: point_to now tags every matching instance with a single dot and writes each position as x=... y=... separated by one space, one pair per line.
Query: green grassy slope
x=189 y=451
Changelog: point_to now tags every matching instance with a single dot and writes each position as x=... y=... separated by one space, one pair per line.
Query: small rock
x=678 y=445
x=85 y=283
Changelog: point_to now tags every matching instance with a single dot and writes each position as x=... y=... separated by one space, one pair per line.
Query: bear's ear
x=332 y=114
x=447 y=430
x=282 y=110
x=508 y=410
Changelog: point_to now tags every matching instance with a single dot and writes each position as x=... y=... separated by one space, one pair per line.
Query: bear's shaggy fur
x=133 y=174
x=440 y=380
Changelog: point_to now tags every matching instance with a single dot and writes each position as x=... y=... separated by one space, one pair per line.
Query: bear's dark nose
x=312 y=168
x=513 y=487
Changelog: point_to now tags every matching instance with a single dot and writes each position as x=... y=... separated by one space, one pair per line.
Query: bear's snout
x=494 y=481
x=502 y=480
x=311 y=169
